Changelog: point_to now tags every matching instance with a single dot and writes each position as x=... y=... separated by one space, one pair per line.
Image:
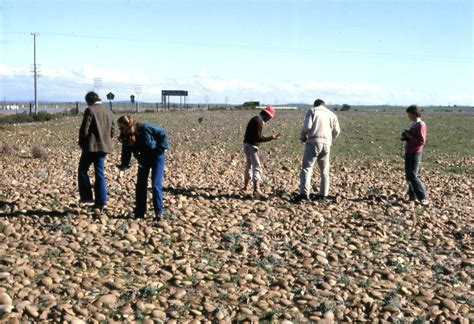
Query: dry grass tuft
x=7 y=149
x=39 y=152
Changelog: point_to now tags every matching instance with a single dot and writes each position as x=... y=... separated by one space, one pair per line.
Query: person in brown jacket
x=252 y=139
x=95 y=139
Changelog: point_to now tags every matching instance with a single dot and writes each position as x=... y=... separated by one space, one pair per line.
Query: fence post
x=30 y=107
x=77 y=108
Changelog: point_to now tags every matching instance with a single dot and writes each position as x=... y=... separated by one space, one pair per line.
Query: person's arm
x=113 y=129
x=260 y=137
x=84 y=130
x=125 y=158
x=336 y=129
x=307 y=125
x=417 y=135
x=160 y=137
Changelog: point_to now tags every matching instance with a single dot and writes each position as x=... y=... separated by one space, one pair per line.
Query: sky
x=290 y=51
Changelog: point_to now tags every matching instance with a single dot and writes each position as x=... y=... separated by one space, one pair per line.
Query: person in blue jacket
x=148 y=144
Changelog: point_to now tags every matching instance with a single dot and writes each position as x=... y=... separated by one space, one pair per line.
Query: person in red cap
x=252 y=139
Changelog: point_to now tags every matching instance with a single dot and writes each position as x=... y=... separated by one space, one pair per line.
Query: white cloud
x=203 y=73
x=6 y=70
x=70 y=84
x=80 y=73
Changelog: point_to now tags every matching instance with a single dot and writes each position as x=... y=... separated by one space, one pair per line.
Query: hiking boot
x=299 y=198
x=257 y=192
x=320 y=197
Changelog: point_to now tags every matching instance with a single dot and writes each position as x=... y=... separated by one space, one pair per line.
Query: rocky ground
x=219 y=255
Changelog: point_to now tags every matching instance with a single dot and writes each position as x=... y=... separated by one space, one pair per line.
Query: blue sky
x=357 y=52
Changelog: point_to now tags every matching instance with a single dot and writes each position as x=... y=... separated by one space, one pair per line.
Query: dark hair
x=265 y=116
x=318 y=102
x=415 y=110
x=92 y=98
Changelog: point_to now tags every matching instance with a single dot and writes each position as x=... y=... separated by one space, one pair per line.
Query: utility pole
x=138 y=91
x=97 y=84
x=35 y=71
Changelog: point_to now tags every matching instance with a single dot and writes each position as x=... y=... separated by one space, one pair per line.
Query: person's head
x=318 y=102
x=128 y=129
x=267 y=113
x=413 y=112
x=92 y=98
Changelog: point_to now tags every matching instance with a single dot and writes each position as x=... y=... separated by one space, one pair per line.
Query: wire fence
x=75 y=107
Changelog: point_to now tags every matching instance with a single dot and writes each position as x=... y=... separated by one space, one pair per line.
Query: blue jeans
x=100 y=186
x=157 y=165
x=415 y=187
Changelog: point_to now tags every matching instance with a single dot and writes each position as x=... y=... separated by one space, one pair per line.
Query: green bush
x=26 y=118
x=345 y=107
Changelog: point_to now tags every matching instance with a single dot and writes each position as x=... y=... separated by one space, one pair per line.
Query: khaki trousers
x=253 y=165
x=313 y=153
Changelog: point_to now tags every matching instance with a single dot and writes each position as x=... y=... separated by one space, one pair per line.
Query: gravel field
x=365 y=254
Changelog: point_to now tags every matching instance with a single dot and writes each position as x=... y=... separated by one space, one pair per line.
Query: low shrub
x=39 y=152
x=26 y=118
x=7 y=149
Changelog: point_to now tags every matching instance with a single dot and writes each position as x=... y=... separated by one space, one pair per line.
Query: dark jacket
x=97 y=129
x=151 y=141
x=253 y=133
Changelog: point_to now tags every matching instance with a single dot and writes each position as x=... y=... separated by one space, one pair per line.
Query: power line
x=348 y=53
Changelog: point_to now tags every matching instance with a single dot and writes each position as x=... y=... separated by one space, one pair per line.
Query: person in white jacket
x=320 y=128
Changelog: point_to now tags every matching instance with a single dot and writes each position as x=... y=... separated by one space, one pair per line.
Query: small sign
x=132 y=98
x=110 y=96
x=174 y=93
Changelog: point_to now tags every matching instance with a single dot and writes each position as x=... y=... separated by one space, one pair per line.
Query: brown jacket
x=97 y=129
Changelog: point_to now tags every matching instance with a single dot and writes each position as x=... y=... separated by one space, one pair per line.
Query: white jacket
x=320 y=126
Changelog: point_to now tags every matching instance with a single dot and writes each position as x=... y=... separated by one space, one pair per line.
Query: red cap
x=270 y=111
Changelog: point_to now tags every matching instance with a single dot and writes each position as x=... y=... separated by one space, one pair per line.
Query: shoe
x=299 y=198
x=136 y=216
x=320 y=197
x=424 y=202
x=257 y=192
x=87 y=202
x=159 y=216
x=132 y=215
x=98 y=210
x=101 y=208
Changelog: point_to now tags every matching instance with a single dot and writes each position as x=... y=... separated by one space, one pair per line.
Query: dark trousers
x=157 y=165
x=100 y=186
x=415 y=187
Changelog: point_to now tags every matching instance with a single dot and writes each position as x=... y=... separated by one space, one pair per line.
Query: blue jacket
x=151 y=142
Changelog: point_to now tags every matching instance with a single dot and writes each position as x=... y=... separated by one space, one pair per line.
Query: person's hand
x=405 y=135
x=122 y=168
x=276 y=136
